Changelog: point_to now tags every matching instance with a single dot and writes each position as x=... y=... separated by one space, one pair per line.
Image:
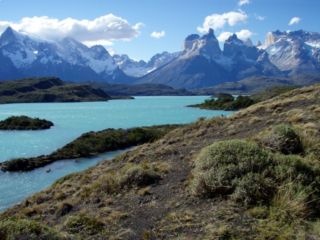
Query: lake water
x=73 y=119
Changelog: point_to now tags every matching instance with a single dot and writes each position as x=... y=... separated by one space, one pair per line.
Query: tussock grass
x=281 y=138
x=15 y=228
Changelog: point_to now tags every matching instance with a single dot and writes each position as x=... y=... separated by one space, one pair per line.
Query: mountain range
x=201 y=64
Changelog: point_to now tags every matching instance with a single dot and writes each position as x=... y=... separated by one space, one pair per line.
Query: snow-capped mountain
x=202 y=63
x=294 y=52
x=141 y=68
x=67 y=58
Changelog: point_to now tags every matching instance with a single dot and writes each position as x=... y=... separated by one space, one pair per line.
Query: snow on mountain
x=21 y=49
x=207 y=46
x=201 y=63
x=65 y=58
x=294 y=51
x=141 y=68
x=96 y=57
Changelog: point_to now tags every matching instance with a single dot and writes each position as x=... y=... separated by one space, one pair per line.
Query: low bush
x=282 y=138
x=84 y=224
x=251 y=175
x=15 y=228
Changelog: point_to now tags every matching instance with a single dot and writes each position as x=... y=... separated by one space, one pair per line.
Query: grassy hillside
x=255 y=175
x=48 y=90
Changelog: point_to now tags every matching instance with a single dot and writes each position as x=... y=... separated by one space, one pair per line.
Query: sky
x=142 y=28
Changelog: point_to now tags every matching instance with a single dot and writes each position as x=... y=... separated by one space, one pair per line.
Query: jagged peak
x=10 y=34
x=192 y=37
x=210 y=35
x=234 y=40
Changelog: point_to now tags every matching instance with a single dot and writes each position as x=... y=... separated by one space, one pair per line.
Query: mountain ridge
x=202 y=63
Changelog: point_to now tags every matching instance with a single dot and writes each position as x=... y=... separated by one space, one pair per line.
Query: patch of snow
x=313 y=44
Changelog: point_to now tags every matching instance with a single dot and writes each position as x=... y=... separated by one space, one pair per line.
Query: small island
x=24 y=123
x=226 y=102
x=91 y=144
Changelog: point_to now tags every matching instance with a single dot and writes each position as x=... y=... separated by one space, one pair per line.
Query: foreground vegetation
x=254 y=175
x=91 y=144
x=24 y=123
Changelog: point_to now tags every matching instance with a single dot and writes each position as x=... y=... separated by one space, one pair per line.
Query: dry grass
x=114 y=193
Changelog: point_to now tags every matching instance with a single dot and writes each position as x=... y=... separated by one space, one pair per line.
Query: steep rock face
x=294 y=52
x=206 y=46
x=202 y=63
x=67 y=58
x=247 y=60
x=233 y=46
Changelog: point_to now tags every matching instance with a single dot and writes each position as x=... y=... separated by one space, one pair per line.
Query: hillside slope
x=161 y=191
x=48 y=90
x=259 y=83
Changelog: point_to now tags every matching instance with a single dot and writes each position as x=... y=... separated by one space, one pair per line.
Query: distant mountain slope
x=146 y=89
x=203 y=63
x=296 y=52
x=141 y=68
x=24 y=56
x=48 y=90
x=256 y=84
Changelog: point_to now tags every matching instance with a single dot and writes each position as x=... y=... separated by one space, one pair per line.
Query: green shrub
x=83 y=223
x=251 y=175
x=282 y=138
x=11 y=229
x=222 y=167
x=226 y=102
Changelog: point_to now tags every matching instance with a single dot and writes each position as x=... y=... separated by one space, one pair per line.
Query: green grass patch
x=14 y=228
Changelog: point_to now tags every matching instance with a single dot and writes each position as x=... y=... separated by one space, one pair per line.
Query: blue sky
x=125 y=26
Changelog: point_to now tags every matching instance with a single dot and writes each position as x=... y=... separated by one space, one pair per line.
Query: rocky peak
x=270 y=39
x=233 y=39
x=100 y=51
x=190 y=40
x=9 y=36
x=235 y=48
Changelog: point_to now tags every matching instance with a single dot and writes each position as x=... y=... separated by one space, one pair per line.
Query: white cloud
x=218 y=21
x=158 y=35
x=243 y=35
x=258 y=17
x=224 y=36
x=294 y=20
x=104 y=29
x=243 y=2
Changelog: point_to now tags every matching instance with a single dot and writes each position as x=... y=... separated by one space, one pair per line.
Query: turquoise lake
x=73 y=119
